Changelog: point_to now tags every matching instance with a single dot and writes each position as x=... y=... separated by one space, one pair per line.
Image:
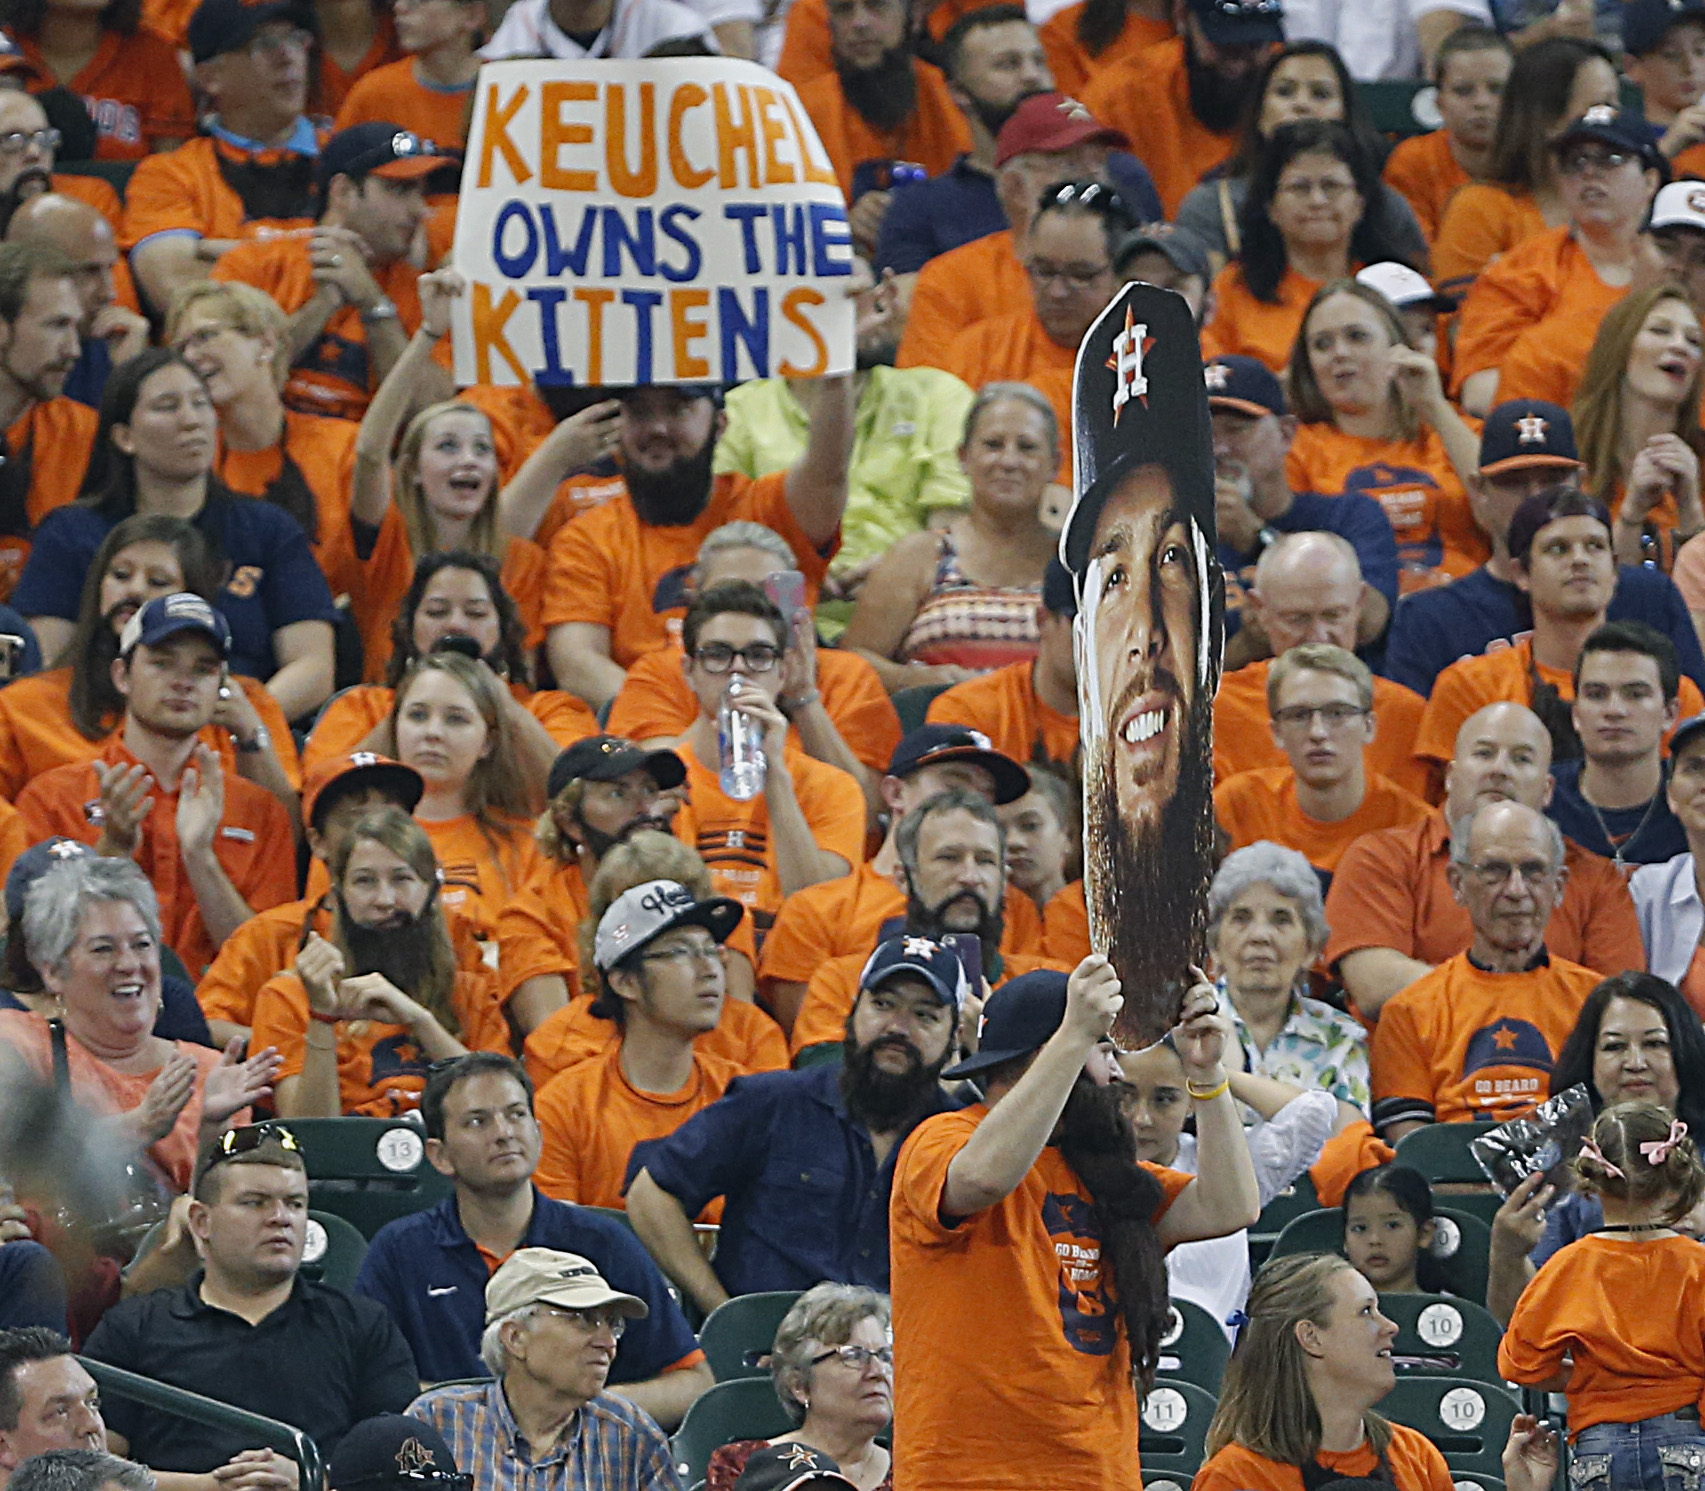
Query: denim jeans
x=1666 y=1453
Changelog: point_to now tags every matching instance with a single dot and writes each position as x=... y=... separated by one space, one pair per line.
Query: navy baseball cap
x=379 y=149
x=1059 y=594
x=1187 y=252
x=167 y=615
x=1243 y=385
x=38 y=859
x=1527 y=432
x=931 y=743
x=393 y=1450
x=1686 y=731
x=1645 y=23
x=1550 y=507
x=220 y=26
x=1019 y=1018
x=604 y=758
x=1240 y=23
x=934 y=962
x=1620 y=129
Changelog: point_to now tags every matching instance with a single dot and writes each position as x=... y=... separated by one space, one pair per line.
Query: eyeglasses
x=1496 y=872
x=1302 y=191
x=1076 y=276
x=17 y=141
x=1333 y=716
x=859 y=1357
x=718 y=657
x=710 y=955
x=591 y=1320
x=270 y=45
x=1579 y=162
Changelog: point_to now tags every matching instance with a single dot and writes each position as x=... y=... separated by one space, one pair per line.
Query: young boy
x=1665 y=58
x=431 y=89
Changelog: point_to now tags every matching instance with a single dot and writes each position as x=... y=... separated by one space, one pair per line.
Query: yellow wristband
x=1210 y=1094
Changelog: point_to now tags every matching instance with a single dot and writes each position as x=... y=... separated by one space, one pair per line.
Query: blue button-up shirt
x=806 y=1199
x=429 y=1274
x=610 y=1446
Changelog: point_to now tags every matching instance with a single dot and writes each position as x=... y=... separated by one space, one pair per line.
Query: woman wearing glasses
x=945 y=605
x=1316 y=212
x=833 y=1366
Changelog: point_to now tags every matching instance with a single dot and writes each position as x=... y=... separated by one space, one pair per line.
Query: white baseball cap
x=1681 y=204
x=1402 y=286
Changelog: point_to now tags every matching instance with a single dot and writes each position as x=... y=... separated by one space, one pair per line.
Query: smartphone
x=786 y=587
x=469 y=647
x=12 y=648
x=969 y=950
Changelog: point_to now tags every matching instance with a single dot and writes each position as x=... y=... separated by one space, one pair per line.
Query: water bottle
x=741 y=741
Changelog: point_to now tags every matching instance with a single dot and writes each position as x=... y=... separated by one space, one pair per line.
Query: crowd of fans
x=362 y=755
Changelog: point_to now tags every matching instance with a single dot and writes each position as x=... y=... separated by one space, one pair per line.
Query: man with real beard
x=616 y=579
x=1028 y=1244
x=1181 y=101
x=366 y=1011
x=952 y=850
x=840 y=1127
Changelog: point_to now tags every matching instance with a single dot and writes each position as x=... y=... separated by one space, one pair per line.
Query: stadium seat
x=1440 y=1152
x=1194 y=1348
x=742 y=1329
x=1466 y=1482
x=1323 y=1232
x=746 y=1408
x=333 y=1250
x=1173 y=1433
x=1443 y=1336
x=1467 y=1421
x=824 y=1053
x=369 y=1171
x=1291 y=1202
x=913 y=704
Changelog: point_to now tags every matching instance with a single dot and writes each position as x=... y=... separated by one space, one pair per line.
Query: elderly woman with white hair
x=833 y=1365
x=92 y=931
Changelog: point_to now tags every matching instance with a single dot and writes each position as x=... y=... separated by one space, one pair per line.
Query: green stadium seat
x=369 y=1171
x=1291 y=1202
x=824 y=1053
x=1391 y=106
x=1440 y=1152
x=333 y=1250
x=1194 y=1348
x=1173 y=1433
x=742 y=1329
x=1467 y=1421
x=744 y=1408
x=1443 y=1336
x=1323 y=1232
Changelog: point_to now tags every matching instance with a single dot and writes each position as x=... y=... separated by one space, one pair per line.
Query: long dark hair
x=1532 y=107
x=95 y=703
x=512 y=631
x=1686 y=1042
x=109 y=485
x=1357 y=120
x=1372 y=240
x=1409 y=1189
x=1099 y=24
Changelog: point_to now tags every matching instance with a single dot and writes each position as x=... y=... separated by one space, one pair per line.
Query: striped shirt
x=611 y=1445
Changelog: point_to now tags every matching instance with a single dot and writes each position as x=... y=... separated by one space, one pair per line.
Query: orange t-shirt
x=1416 y=1465
x=1243 y=729
x=1055 y=1404
x=591 y=1116
x=1148 y=97
x=733 y=837
x=838 y=917
x=37 y=734
x=1413 y=480
x=611 y=569
x=335 y=83
x=808 y=46
x=934 y=134
x=1481 y=221
x=1350 y=1151
x=1471 y=683
x=1248 y=327
x=183 y=191
x=134 y=89
x=1477 y=1045
x=833 y=991
x=1262 y=804
x=1393 y=890
x=956 y=290
x=59 y=436
x=388 y=571
x=333 y=375
x=1004 y=706
x=520 y=421
x=381 y=1071
x=1073 y=66
x=656 y=704
x=254 y=843
x=745 y=1036
x=353 y=715
x=394 y=94
x=481 y=873
x=1065 y=925
x=1547 y=360
x=14 y=837
x=1425 y=169
x=1547 y=276
x=100 y=1090
x=1013 y=348
x=1593 y=1302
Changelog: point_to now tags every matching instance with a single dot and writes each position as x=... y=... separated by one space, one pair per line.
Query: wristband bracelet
x=1200 y=1097
x=334 y=1020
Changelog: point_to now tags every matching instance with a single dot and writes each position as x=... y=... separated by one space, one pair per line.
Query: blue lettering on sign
x=558 y=258
x=670 y=222
x=514 y=265
x=747 y=215
x=831 y=240
x=549 y=300
x=640 y=242
x=644 y=302
x=754 y=334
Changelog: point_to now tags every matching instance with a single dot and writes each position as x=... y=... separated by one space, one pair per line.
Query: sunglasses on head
x=250 y=1137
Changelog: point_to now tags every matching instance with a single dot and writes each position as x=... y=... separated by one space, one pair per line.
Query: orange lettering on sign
x=776 y=172
x=594 y=301
x=555 y=132
x=736 y=136
x=687 y=331
x=643 y=182
x=687 y=96
x=497 y=117
x=792 y=306
x=489 y=322
x=824 y=173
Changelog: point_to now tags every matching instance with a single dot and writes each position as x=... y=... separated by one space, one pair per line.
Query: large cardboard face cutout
x=1140 y=543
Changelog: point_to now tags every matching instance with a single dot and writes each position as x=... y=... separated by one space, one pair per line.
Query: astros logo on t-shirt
x=1085 y=1310
x=1506 y=1062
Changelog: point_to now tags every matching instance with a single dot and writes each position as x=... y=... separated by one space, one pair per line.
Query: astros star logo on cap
x=414 y=1457
x=1599 y=114
x=1072 y=109
x=800 y=1458
x=921 y=947
x=1216 y=375
x=1129 y=349
x=1530 y=429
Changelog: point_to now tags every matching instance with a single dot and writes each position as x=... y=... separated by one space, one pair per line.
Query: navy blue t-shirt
x=1435 y=628
x=1645 y=837
x=88 y=378
x=12 y=622
x=428 y=1274
x=273 y=580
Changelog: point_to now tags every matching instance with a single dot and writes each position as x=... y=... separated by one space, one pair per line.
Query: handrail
x=285 y=1438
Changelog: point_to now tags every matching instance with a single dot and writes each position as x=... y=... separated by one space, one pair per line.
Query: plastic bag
x=1547 y=1139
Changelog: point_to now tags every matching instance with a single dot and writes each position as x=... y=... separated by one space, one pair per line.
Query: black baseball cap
x=1686 y=731
x=379 y=149
x=604 y=758
x=931 y=743
x=220 y=26
x=1620 y=129
x=1645 y=23
x=1019 y=1018
x=1527 y=432
x=394 y=1450
x=1243 y=385
x=1550 y=507
x=1187 y=252
x=1240 y=23
x=1059 y=595
x=782 y=1467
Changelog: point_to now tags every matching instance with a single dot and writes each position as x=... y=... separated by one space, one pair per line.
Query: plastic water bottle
x=741 y=740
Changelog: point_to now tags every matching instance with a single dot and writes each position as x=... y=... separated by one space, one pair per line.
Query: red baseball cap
x=1047 y=122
